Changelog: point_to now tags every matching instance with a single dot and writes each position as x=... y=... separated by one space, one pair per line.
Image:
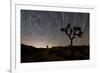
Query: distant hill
x=27 y=50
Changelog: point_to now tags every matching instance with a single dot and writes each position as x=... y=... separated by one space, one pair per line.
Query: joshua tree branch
x=72 y=32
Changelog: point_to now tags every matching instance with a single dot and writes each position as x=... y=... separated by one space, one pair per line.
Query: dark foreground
x=32 y=54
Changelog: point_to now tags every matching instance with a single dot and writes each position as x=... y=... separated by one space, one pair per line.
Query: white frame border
x=13 y=40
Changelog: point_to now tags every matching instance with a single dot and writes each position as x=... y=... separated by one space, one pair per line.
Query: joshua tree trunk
x=71 y=42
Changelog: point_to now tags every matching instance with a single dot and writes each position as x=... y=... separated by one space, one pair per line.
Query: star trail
x=42 y=28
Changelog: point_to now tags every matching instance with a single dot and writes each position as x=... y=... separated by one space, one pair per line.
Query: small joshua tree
x=47 y=46
x=72 y=32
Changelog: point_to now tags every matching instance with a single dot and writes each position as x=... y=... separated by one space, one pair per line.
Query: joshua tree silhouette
x=72 y=32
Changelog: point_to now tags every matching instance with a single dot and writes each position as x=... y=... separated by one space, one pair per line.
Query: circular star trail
x=42 y=28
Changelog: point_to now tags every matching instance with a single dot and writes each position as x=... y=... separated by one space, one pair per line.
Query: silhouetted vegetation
x=47 y=46
x=57 y=53
x=72 y=32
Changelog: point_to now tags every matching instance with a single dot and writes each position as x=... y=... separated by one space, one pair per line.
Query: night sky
x=42 y=28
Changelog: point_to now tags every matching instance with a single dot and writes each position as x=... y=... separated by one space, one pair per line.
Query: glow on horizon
x=40 y=45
